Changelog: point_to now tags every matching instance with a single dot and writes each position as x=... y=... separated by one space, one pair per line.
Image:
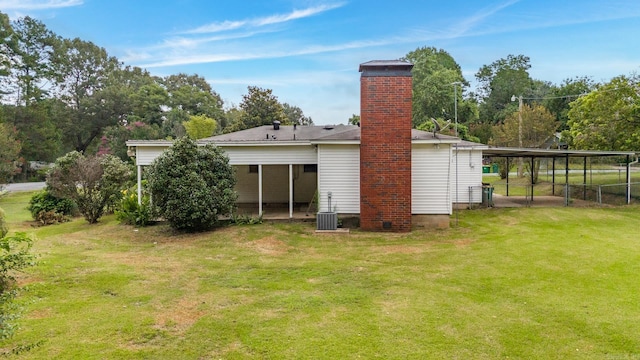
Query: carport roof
x=550 y=153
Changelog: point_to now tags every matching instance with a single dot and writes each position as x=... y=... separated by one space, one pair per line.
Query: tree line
x=510 y=108
x=60 y=95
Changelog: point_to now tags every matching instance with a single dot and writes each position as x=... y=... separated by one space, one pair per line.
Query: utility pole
x=513 y=98
x=455 y=102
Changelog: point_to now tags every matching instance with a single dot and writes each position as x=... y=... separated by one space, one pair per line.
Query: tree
x=435 y=73
x=537 y=126
x=115 y=137
x=194 y=95
x=191 y=185
x=560 y=98
x=9 y=153
x=498 y=82
x=6 y=48
x=200 y=126
x=259 y=107
x=295 y=115
x=354 y=120
x=87 y=83
x=92 y=182
x=31 y=52
x=608 y=118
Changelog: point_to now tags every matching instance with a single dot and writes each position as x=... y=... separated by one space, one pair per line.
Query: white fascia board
x=149 y=143
x=437 y=141
x=258 y=143
x=336 y=142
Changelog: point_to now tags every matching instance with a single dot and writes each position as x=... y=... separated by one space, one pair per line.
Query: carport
x=560 y=155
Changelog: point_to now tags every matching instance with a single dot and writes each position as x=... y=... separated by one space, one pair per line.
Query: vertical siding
x=430 y=179
x=339 y=173
x=469 y=168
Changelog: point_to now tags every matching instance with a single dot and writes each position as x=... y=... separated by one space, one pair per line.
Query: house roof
x=288 y=135
x=313 y=134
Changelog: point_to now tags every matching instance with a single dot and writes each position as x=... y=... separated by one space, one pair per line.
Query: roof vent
x=328 y=127
x=276 y=125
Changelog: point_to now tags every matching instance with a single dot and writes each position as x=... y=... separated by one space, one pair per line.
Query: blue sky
x=308 y=51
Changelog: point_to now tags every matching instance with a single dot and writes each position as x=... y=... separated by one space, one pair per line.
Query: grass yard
x=526 y=283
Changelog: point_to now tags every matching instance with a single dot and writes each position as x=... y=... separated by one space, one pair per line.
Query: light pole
x=455 y=111
x=455 y=103
x=513 y=98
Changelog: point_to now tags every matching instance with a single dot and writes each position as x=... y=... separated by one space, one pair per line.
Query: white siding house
x=288 y=169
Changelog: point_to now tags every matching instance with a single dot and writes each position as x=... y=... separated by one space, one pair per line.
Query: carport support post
x=584 y=180
x=532 y=164
x=507 y=176
x=553 y=177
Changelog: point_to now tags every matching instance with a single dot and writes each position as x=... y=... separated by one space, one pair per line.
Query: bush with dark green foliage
x=14 y=256
x=44 y=205
x=192 y=185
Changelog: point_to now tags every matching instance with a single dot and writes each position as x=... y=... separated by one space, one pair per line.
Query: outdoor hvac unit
x=327 y=220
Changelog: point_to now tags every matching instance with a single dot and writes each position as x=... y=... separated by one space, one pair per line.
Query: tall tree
x=259 y=107
x=194 y=95
x=295 y=115
x=498 y=83
x=31 y=52
x=608 y=118
x=6 y=48
x=84 y=83
x=9 y=152
x=435 y=73
x=560 y=98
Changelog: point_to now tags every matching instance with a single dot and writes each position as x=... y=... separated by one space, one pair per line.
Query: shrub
x=191 y=186
x=44 y=202
x=14 y=256
x=130 y=212
x=93 y=183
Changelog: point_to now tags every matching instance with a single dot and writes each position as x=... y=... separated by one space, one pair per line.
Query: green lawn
x=524 y=283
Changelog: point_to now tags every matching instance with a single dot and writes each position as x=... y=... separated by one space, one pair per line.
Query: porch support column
x=628 y=180
x=290 y=191
x=139 y=184
x=259 y=189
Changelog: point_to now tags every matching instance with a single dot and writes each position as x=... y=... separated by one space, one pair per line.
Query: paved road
x=31 y=186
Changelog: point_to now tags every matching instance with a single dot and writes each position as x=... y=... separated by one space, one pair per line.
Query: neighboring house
x=390 y=175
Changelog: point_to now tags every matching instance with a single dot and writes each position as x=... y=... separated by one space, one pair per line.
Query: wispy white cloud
x=37 y=5
x=469 y=23
x=262 y=21
x=175 y=60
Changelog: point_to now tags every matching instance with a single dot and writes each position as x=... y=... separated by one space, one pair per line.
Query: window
x=311 y=168
x=253 y=169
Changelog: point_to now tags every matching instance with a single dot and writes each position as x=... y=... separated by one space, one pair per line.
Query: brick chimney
x=385 y=145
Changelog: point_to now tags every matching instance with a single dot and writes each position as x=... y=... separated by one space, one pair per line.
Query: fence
x=611 y=194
